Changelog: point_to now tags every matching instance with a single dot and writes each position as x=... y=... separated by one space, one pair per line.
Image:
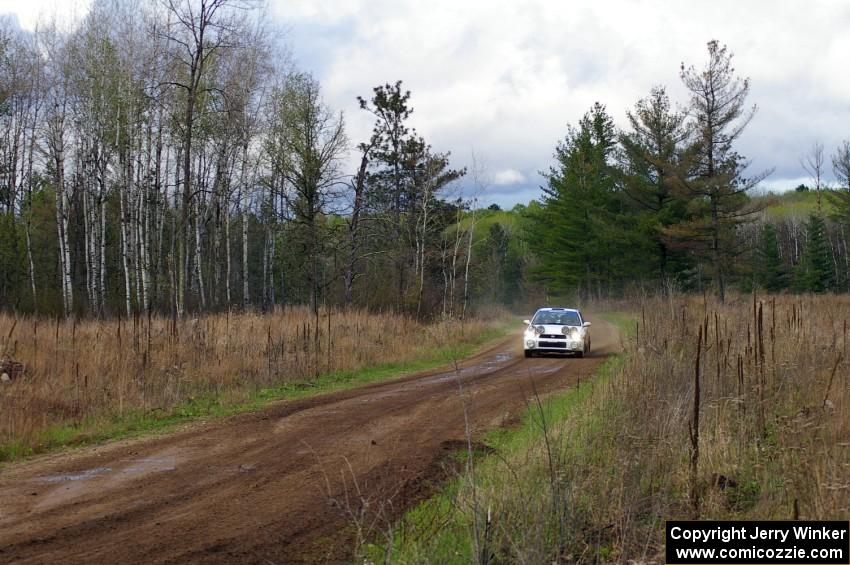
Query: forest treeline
x=164 y=157
x=669 y=201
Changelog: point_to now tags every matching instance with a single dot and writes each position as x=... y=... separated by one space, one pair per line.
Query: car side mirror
x=586 y=325
x=527 y=322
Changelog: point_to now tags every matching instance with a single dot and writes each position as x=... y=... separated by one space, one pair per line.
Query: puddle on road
x=485 y=366
x=87 y=474
x=151 y=465
x=535 y=369
x=139 y=466
x=73 y=485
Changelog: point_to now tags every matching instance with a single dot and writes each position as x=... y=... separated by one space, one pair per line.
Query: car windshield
x=557 y=318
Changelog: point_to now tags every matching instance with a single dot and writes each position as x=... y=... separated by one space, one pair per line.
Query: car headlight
x=569 y=332
x=539 y=329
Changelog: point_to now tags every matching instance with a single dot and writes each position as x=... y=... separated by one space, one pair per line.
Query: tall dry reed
x=721 y=411
x=83 y=371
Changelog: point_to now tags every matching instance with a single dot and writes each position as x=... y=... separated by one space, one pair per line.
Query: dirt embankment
x=290 y=483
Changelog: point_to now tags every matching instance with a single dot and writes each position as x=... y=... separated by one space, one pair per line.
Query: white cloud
x=508 y=177
x=503 y=78
x=29 y=12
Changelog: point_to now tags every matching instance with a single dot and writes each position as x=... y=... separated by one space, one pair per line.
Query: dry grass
x=774 y=400
x=605 y=469
x=81 y=373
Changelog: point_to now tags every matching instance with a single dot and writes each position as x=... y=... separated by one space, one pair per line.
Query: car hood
x=554 y=329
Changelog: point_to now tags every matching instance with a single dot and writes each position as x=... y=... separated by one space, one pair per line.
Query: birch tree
x=199 y=31
x=56 y=144
x=310 y=142
x=813 y=163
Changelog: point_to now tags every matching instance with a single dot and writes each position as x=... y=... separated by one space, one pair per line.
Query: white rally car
x=556 y=330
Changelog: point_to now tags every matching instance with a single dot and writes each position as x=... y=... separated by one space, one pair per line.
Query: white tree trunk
x=145 y=253
x=466 y=268
x=420 y=244
x=244 y=205
x=31 y=264
x=272 y=245
x=245 y=287
x=453 y=275
x=102 y=270
x=89 y=246
x=228 y=259
x=62 y=205
x=125 y=252
x=198 y=271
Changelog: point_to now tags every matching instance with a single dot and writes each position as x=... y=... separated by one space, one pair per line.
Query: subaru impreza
x=556 y=330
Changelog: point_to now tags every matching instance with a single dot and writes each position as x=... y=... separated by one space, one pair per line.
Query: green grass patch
x=626 y=322
x=795 y=204
x=134 y=424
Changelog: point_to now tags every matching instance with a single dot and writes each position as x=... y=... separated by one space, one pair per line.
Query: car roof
x=554 y=309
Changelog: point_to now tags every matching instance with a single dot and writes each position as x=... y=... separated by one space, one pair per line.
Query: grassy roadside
x=138 y=423
x=595 y=481
x=496 y=499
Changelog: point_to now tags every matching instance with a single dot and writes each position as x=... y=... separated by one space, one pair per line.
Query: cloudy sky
x=502 y=79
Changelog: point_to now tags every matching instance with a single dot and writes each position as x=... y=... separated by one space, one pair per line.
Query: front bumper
x=554 y=345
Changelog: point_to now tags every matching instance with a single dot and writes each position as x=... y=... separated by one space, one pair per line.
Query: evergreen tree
x=711 y=173
x=656 y=137
x=839 y=199
x=497 y=244
x=769 y=269
x=574 y=234
x=388 y=178
x=403 y=182
x=815 y=272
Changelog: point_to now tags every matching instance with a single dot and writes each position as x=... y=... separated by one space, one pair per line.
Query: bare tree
x=199 y=31
x=55 y=125
x=813 y=164
x=479 y=182
x=354 y=221
x=841 y=164
x=21 y=104
x=309 y=142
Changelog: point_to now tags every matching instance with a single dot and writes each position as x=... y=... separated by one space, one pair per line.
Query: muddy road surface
x=288 y=484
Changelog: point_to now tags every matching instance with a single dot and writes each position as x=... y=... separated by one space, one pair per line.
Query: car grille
x=561 y=344
x=552 y=336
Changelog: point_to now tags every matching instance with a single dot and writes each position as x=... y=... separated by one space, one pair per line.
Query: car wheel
x=528 y=354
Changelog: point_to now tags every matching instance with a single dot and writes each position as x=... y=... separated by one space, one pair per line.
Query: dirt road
x=285 y=484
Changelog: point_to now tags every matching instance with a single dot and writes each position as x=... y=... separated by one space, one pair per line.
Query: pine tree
x=839 y=199
x=403 y=180
x=814 y=273
x=574 y=234
x=656 y=138
x=711 y=173
x=769 y=269
x=497 y=244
